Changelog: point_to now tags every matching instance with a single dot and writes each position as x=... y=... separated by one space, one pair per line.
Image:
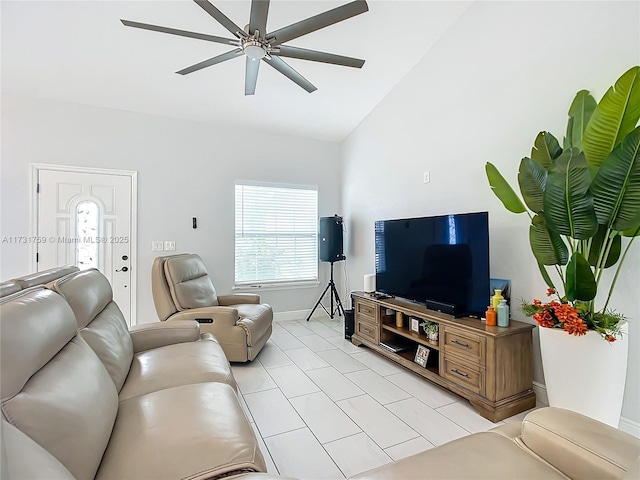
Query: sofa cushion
x=486 y=455
x=56 y=390
x=189 y=282
x=22 y=458
x=177 y=364
x=100 y=320
x=36 y=325
x=191 y=431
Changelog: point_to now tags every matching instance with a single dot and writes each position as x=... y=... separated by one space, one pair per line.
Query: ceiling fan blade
x=251 y=76
x=290 y=73
x=211 y=61
x=317 y=22
x=221 y=18
x=258 y=18
x=182 y=33
x=315 y=56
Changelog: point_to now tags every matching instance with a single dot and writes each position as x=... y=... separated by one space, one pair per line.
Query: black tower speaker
x=331 y=239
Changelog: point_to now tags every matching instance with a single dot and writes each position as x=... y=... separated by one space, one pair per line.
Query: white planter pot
x=585 y=374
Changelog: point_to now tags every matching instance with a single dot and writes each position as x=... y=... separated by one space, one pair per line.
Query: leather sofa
x=183 y=290
x=83 y=397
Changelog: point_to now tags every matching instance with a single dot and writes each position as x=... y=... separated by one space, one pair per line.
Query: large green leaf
x=547 y=246
x=568 y=203
x=503 y=190
x=580 y=112
x=615 y=116
x=545 y=149
x=632 y=232
x=597 y=245
x=616 y=186
x=580 y=282
x=532 y=178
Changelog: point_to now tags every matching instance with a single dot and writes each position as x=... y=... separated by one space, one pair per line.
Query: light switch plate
x=157 y=246
x=169 y=245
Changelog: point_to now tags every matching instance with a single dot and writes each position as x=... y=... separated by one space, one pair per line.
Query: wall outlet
x=157 y=246
x=169 y=245
x=426 y=177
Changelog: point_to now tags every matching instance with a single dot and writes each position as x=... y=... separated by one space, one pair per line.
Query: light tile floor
x=325 y=409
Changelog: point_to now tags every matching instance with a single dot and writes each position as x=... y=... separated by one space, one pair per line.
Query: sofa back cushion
x=55 y=390
x=160 y=290
x=189 y=282
x=99 y=320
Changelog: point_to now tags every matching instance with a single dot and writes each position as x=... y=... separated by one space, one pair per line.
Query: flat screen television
x=440 y=261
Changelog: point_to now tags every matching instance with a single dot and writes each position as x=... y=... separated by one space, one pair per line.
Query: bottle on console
x=495 y=300
x=503 y=313
x=490 y=315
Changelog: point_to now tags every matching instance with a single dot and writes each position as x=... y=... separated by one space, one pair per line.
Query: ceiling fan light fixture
x=254 y=50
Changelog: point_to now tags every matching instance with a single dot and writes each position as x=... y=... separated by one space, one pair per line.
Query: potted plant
x=430 y=330
x=583 y=200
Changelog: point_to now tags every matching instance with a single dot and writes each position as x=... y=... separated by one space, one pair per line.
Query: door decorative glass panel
x=87 y=216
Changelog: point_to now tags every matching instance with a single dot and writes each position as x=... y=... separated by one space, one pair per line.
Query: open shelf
x=411 y=336
x=432 y=364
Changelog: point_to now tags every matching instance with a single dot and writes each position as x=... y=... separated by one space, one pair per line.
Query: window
x=276 y=234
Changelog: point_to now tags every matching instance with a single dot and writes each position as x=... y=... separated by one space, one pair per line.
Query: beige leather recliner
x=182 y=290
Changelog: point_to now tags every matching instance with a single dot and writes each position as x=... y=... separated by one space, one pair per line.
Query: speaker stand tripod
x=334 y=293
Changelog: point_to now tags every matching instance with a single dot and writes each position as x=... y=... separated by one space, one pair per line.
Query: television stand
x=492 y=367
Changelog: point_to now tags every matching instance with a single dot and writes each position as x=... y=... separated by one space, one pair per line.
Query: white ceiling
x=78 y=51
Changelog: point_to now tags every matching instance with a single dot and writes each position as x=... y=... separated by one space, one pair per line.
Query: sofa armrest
x=220 y=315
x=579 y=446
x=238 y=298
x=158 y=334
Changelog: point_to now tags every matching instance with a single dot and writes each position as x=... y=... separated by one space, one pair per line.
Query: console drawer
x=366 y=311
x=367 y=331
x=469 y=346
x=466 y=375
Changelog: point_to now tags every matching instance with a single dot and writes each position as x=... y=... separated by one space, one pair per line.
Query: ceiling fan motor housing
x=254 y=49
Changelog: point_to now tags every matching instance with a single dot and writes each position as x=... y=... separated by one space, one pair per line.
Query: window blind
x=276 y=239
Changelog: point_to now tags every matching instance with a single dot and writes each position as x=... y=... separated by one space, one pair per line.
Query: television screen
x=441 y=259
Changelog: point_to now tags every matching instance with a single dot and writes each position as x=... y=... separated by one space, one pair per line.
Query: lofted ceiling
x=78 y=51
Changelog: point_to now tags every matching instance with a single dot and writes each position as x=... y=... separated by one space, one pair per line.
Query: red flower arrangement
x=574 y=318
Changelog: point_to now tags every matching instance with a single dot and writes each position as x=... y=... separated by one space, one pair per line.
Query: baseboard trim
x=541 y=393
x=626 y=425
x=295 y=315
x=629 y=426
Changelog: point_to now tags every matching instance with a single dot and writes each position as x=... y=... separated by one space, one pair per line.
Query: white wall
x=501 y=74
x=185 y=169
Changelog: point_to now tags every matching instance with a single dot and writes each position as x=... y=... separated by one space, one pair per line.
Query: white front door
x=85 y=219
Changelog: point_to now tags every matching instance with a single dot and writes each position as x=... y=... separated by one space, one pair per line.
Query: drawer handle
x=455 y=370
x=366 y=330
x=365 y=310
x=465 y=345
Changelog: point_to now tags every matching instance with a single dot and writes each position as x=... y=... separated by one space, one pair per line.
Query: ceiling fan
x=256 y=44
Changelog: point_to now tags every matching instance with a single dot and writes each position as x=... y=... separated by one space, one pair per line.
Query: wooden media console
x=492 y=367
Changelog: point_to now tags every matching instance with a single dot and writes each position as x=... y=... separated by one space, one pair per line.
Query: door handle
x=123 y=269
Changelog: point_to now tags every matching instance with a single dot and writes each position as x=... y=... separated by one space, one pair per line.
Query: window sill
x=275 y=286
